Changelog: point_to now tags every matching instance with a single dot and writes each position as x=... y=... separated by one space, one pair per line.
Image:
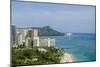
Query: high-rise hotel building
x=13 y=34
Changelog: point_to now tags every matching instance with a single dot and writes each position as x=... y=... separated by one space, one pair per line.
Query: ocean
x=81 y=46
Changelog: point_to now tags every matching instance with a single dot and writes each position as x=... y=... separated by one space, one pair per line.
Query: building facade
x=31 y=39
x=13 y=35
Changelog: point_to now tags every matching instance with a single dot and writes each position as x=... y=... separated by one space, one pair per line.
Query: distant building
x=35 y=32
x=20 y=39
x=29 y=43
x=32 y=39
x=36 y=38
x=13 y=35
x=47 y=42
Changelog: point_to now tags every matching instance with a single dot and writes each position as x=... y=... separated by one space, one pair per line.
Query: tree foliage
x=31 y=56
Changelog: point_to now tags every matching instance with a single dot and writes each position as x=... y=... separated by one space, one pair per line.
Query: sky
x=61 y=17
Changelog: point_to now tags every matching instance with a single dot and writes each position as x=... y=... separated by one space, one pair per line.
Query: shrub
x=24 y=56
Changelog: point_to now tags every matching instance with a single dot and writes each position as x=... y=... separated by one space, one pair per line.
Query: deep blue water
x=81 y=46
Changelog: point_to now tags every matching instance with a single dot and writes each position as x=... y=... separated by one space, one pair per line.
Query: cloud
x=72 y=19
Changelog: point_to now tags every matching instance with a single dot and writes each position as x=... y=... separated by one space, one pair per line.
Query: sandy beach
x=66 y=58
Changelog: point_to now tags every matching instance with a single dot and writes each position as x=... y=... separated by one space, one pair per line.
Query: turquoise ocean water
x=81 y=46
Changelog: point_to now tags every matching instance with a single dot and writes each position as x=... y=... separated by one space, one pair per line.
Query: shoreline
x=66 y=58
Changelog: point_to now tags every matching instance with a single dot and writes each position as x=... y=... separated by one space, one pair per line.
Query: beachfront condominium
x=30 y=38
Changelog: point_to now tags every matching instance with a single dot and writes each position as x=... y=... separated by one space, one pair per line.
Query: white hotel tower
x=32 y=39
x=36 y=38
